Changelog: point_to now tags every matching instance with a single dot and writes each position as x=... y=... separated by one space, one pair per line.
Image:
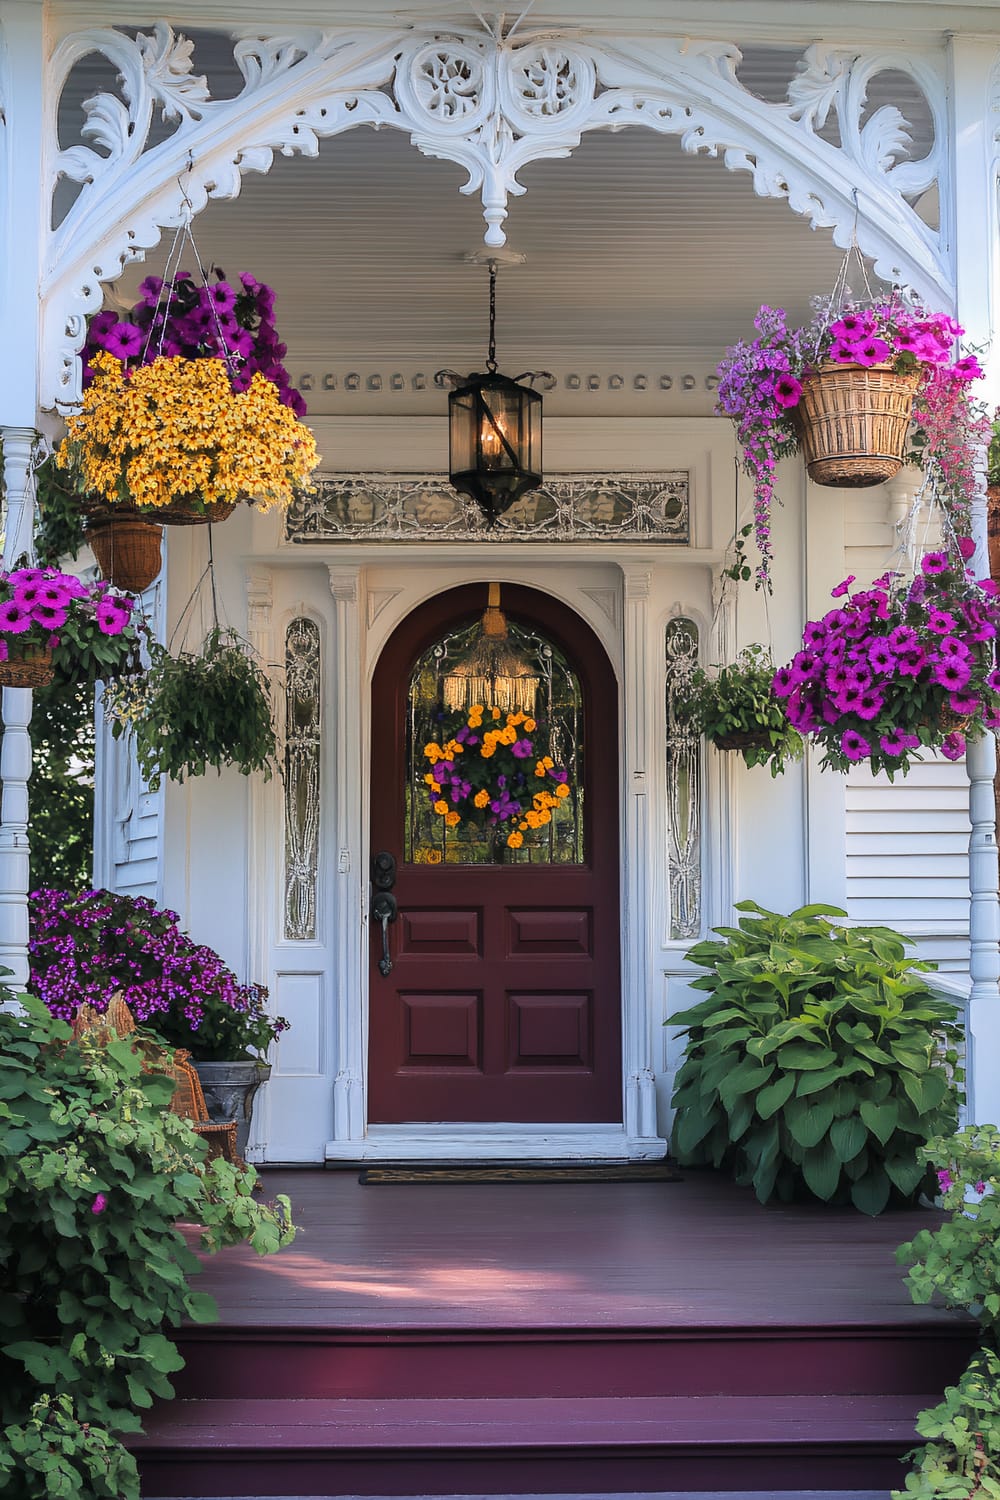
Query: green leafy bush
x=960 y=1262
x=735 y=709
x=95 y=1175
x=54 y=1454
x=198 y=709
x=819 y=1061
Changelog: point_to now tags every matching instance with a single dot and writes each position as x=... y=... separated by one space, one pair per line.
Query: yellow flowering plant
x=486 y=769
x=176 y=430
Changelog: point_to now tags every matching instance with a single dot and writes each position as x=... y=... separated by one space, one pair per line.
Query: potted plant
x=819 y=1061
x=486 y=772
x=87 y=947
x=859 y=389
x=187 y=410
x=53 y=621
x=197 y=709
x=899 y=667
x=734 y=707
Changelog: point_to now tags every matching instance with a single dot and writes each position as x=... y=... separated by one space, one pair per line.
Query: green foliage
x=53 y=1454
x=962 y=1458
x=815 y=1064
x=195 y=710
x=739 y=569
x=95 y=1175
x=59 y=520
x=62 y=783
x=993 y=454
x=960 y=1261
x=737 y=701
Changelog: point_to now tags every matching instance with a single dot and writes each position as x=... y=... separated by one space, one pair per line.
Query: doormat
x=638 y=1171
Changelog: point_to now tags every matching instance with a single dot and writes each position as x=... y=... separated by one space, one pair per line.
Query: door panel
x=503 y=1002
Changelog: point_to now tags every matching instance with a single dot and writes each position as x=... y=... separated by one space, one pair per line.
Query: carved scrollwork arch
x=492 y=105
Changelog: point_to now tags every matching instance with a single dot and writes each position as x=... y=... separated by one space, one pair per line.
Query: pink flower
x=99 y=1204
x=872 y=352
x=953 y=747
x=966 y=546
x=842 y=588
x=787 y=391
x=14 y=618
x=854 y=746
x=980 y=1188
x=945 y=1179
x=113 y=615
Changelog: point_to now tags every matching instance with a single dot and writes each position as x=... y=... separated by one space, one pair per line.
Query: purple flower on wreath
x=854 y=746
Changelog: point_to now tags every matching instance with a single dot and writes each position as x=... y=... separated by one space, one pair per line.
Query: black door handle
x=385 y=910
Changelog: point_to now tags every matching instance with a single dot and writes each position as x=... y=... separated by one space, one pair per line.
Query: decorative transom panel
x=425 y=508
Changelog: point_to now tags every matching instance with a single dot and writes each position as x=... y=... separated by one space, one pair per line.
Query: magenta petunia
x=99 y=1204
x=941 y=621
x=953 y=746
x=783 y=682
x=113 y=615
x=842 y=588
x=963 y=703
x=893 y=743
x=952 y=673
x=870 y=704
x=881 y=657
x=932 y=564
x=872 y=351
x=966 y=547
x=14 y=618
x=854 y=746
x=787 y=391
x=904 y=638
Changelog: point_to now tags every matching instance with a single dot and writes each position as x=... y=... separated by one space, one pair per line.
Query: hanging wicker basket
x=27 y=666
x=181 y=512
x=743 y=739
x=852 y=422
x=128 y=550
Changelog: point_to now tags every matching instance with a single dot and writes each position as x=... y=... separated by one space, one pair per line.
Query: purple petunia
x=14 y=617
x=933 y=564
x=953 y=746
x=854 y=746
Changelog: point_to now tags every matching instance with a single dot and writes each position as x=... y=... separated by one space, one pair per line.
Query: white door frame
x=370 y=602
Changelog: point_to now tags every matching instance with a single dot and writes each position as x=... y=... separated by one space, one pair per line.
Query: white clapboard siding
x=907 y=856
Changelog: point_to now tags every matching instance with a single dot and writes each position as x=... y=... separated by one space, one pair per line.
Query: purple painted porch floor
x=699 y=1253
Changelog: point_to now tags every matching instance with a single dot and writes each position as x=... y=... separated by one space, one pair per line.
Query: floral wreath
x=485 y=777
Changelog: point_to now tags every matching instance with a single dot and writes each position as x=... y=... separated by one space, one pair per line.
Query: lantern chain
x=491 y=358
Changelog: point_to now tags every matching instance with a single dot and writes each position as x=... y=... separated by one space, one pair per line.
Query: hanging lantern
x=495 y=431
x=492 y=674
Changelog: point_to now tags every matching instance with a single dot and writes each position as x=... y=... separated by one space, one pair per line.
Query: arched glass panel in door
x=494 y=753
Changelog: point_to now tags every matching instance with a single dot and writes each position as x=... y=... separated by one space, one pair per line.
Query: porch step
x=395 y=1363
x=523 y=1446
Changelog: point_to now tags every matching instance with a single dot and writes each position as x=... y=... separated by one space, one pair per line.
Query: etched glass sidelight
x=683 y=788
x=558 y=711
x=302 y=776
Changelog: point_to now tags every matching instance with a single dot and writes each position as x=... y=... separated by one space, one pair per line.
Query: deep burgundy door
x=503 y=1002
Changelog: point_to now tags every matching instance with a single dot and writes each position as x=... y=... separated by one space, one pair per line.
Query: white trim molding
x=490 y=103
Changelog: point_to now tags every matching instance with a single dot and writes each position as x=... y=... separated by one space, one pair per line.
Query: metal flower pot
x=229 y=1089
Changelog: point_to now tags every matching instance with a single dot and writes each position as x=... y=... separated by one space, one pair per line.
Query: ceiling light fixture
x=494 y=429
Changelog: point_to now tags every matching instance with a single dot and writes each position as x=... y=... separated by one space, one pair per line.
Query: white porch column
x=22 y=175
x=971 y=228
x=351 y=889
x=15 y=751
x=637 y=1041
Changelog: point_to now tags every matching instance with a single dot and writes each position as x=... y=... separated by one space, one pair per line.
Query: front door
x=503 y=998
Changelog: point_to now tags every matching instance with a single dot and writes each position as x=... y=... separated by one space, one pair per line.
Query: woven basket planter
x=180 y=512
x=852 y=422
x=742 y=739
x=27 y=666
x=128 y=550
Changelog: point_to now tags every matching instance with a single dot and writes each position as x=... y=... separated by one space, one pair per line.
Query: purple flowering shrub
x=895 y=668
x=87 y=626
x=198 y=322
x=761 y=381
x=85 y=947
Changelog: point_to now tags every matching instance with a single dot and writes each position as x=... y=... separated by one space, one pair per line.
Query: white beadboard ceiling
x=636 y=252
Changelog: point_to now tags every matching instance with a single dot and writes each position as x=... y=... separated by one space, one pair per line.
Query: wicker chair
x=188 y=1098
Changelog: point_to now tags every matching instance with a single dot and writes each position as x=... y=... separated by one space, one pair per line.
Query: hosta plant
x=819 y=1061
